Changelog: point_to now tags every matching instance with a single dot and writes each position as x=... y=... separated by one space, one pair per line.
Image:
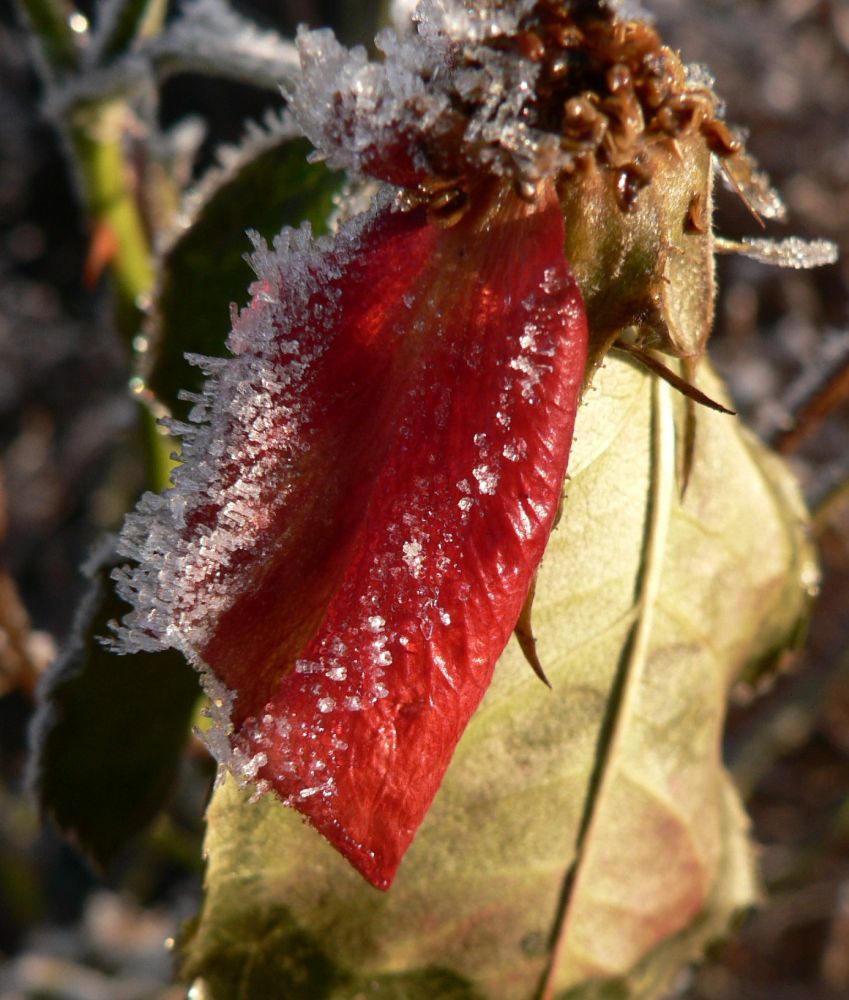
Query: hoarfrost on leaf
x=791 y=252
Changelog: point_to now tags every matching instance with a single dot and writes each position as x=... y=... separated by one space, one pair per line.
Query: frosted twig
x=208 y=38
x=790 y=252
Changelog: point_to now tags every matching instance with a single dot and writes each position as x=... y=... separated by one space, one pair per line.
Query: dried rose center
x=607 y=88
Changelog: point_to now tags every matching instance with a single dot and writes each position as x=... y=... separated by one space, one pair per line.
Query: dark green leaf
x=109 y=731
x=271 y=185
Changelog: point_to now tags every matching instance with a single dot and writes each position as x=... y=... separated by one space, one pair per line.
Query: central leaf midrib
x=662 y=486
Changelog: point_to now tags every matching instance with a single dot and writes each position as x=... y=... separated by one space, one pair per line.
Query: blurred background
x=781 y=341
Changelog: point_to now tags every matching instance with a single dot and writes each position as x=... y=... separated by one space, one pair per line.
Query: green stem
x=96 y=135
x=137 y=19
x=50 y=23
x=158 y=449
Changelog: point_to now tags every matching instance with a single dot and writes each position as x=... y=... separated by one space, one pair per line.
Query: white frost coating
x=414 y=558
x=351 y=109
x=209 y=35
x=487 y=479
x=515 y=451
x=401 y=13
x=741 y=175
x=348 y=106
x=469 y=22
x=239 y=456
x=790 y=252
x=275 y=129
x=217 y=738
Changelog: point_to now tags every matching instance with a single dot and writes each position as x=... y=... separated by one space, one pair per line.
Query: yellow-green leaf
x=586 y=838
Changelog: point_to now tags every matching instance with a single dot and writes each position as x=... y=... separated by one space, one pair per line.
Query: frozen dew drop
x=414 y=558
x=552 y=283
x=326 y=705
x=252 y=765
x=487 y=479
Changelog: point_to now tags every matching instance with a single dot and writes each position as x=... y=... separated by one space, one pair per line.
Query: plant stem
x=136 y=19
x=95 y=135
x=158 y=448
x=50 y=23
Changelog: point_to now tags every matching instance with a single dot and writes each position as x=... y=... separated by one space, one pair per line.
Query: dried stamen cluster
x=524 y=92
x=604 y=88
x=609 y=88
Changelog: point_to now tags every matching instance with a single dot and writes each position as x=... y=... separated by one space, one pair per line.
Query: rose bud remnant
x=368 y=483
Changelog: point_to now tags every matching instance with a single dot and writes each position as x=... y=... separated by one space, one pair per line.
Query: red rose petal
x=403 y=432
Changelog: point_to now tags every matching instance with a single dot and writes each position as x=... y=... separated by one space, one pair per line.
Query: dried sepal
x=741 y=173
x=790 y=252
x=649 y=360
x=650 y=268
x=524 y=632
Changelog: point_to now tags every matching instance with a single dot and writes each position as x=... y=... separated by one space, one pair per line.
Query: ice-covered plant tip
x=368 y=485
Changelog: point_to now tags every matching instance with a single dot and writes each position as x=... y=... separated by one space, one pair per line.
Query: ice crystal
x=248 y=433
x=492 y=88
x=791 y=252
x=210 y=34
x=414 y=91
